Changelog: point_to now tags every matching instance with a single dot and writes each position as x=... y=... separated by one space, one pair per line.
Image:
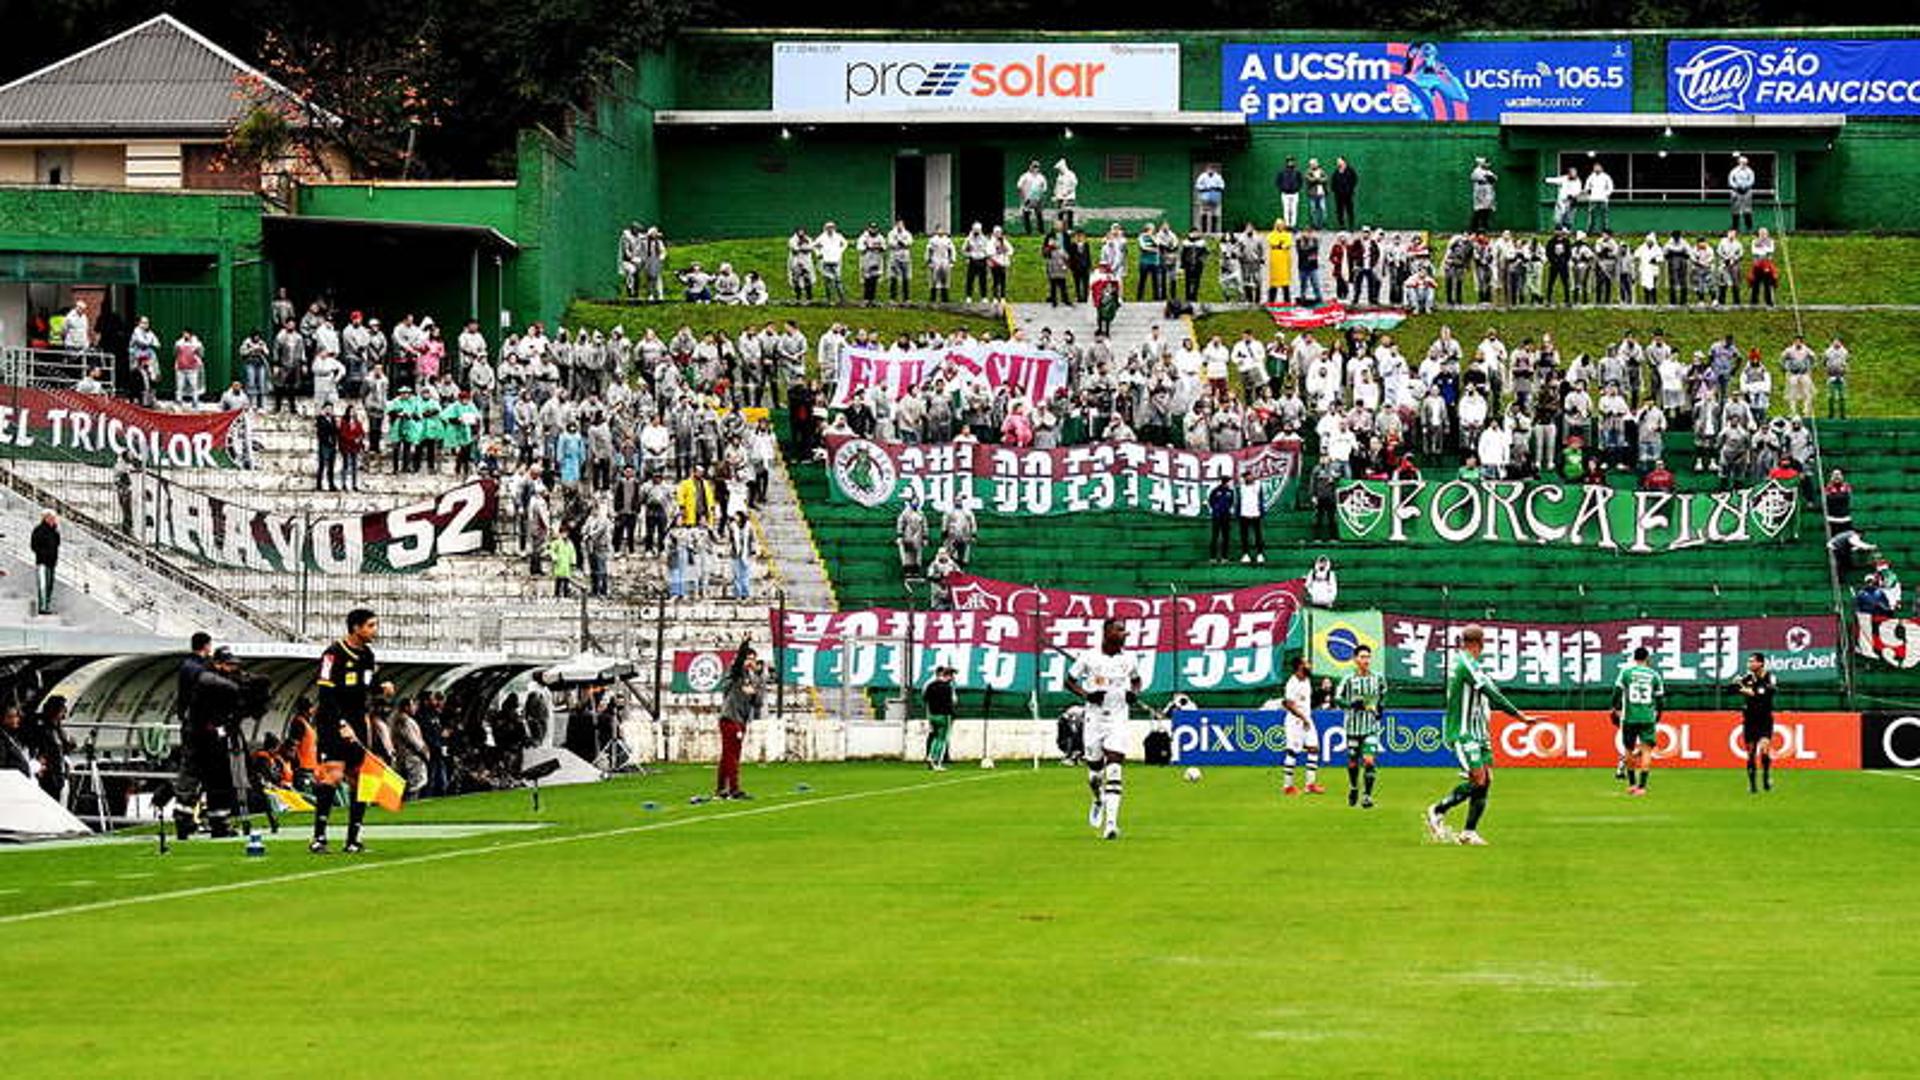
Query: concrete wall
x=479 y=202
x=576 y=192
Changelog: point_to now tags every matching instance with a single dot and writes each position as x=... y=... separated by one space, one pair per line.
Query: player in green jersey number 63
x=1637 y=691
x=1465 y=732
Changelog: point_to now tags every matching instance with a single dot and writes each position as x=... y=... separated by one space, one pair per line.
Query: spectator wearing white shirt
x=1567 y=189
x=1208 y=190
x=1599 y=196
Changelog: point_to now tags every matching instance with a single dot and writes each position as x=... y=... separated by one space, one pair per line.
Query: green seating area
x=1882 y=461
x=1143 y=553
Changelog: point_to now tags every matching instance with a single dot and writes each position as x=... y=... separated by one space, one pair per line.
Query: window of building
x=1675 y=176
x=53 y=166
x=1122 y=168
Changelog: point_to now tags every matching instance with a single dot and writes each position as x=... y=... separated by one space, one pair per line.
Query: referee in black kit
x=347 y=675
x=1756 y=689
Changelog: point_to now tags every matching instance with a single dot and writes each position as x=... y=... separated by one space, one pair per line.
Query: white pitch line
x=441 y=856
x=1894 y=775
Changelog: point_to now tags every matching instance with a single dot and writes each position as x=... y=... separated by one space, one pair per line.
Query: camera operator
x=219 y=697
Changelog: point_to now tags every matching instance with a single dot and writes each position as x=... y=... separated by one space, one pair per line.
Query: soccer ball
x=1192 y=775
x=986 y=763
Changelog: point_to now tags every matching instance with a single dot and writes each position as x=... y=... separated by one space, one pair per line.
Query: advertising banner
x=1035 y=374
x=1893 y=642
x=1889 y=740
x=1015 y=639
x=1699 y=740
x=1410 y=737
x=219 y=533
x=1520 y=512
x=65 y=425
x=1800 y=650
x=1438 y=81
x=1795 y=75
x=957 y=76
x=699 y=671
x=1066 y=480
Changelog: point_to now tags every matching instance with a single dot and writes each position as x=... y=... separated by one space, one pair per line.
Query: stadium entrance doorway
x=983 y=187
x=923 y=190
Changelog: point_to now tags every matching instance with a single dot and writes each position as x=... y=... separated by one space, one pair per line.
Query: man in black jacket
x=1289 y=181
x=938 y=698
x=45 y=542
x=1345 y=182
x=213 y=707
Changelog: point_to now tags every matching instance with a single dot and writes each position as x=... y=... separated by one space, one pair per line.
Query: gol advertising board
x=1433 y=81
x=1699 y=740
x=1795 y=75
x=929 y=77
x=1259 y=737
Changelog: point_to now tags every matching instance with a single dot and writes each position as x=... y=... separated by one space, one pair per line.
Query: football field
x=878 y=920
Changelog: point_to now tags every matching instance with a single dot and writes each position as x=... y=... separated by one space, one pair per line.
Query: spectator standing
x=1066 y=190
x=1220 y=508
x=1346 y=183
x=938 y=698
x=189 y=369
x=1484 y=182
x=910 y=536
x=1290 y=181
x=940 y=259
x=1250 y=507
x=45 y=542
x=563 y=555
x=143 y=345
x=76 y=332
x=1316 y=190
x=326 y=443
x=1032 y=189
x=739 y=704
x=1599 y=196
x=741 y=547
x=1209 y=188
x=1740 y=182
x=1838 y=361
x=832 y=246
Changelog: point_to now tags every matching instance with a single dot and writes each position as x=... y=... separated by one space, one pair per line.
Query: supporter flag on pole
x=380 y=784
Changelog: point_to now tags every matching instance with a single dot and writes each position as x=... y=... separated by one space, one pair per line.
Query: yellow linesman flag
x=288 y=800
x=380 y=784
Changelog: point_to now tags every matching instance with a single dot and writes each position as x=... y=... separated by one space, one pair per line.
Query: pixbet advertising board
x=926 y=76
x=1259 y=737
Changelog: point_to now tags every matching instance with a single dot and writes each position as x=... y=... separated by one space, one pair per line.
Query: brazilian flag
x=1336 y=635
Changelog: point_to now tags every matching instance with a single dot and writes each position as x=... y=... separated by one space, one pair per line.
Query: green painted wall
x=575 y=192
x=209 y=240
x=1410 y=173
x=487 y=203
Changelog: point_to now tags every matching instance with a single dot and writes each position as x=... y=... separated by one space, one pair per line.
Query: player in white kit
x=1303 y=735
x=1108 y=680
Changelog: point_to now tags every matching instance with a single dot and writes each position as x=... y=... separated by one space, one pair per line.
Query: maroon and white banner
x=66 y=425
x=219 y=533
x=1034 y=374
x=1015 y=638
x=1894 y=642
x=1064 y=480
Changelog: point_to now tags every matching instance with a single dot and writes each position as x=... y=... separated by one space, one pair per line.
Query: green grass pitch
x=889 y=922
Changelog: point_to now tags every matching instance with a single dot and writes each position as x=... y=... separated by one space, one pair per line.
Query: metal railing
x=54 y=369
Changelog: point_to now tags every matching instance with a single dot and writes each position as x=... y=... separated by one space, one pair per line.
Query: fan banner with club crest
x=1065 y=480
x=66 y=425
x=1016 y=638
x=1801 y=650
x=700 y=671
x=1603 y=518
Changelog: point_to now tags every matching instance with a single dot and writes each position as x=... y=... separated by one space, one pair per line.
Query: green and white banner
x=1520 y=512
x=1066 y=480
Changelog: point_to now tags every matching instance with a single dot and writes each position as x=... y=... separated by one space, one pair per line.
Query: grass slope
x=1826 y=269
x=891 y=923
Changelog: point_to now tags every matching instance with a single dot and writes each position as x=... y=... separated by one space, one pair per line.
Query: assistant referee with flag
x=347 y=674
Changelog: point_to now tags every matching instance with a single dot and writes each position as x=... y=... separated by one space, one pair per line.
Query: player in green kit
x=1362 y=694
x=1465 y=732
x=1637 y=691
